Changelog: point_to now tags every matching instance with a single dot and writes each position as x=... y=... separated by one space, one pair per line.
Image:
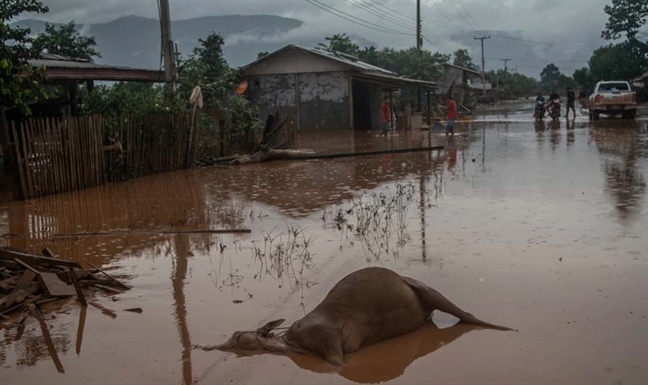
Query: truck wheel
x=595 y=115
x=590 y=115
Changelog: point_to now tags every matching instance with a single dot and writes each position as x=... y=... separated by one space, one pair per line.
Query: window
x=613 y=87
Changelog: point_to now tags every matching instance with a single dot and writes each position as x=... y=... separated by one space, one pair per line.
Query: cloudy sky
x=562 y=31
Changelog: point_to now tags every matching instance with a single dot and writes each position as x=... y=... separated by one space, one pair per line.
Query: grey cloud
x=573 y=22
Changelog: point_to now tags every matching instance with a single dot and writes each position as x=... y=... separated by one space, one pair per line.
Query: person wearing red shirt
x=452 y=116
x=385 y=115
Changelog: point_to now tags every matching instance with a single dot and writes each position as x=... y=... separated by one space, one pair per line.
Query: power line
x=408 y=19
x=462 y=14
x=444 y=14
x=469 y=15
x=355 y=20
x=384 y=17
x=399 y=22
x=500 y=36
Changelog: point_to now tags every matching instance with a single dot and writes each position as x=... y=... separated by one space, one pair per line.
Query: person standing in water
x=385 y=114
x=452 y=116
x=571 y=102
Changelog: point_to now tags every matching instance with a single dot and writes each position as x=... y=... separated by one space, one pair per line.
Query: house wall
x=324 y=101
x=268 y=92
x=295 y=62
x=322 y=98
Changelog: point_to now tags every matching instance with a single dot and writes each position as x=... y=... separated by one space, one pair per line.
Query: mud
x=541 y=227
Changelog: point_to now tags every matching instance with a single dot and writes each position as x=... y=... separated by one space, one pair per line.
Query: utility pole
x=482 y=38
x=505 y=64
x=419 y=43
x=167 y=44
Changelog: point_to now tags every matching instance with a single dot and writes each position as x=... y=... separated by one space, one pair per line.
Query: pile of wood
x=28 y=281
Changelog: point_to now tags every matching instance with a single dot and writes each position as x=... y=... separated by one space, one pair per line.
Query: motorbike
x=539 y=110
x=554 y=109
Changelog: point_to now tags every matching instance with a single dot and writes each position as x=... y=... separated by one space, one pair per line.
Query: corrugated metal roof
x=348 y=60
x=464 y=69
x=49 y=60
x=69 y=64
x=64 y=68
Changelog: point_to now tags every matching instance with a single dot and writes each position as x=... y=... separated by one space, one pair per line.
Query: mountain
x=135 y=41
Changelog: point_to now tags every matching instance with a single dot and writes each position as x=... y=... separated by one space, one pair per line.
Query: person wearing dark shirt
x=539 y=111
x=571 y=102
x=553 y=96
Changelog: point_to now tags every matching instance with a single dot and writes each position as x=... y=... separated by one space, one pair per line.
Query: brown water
x=543 y=228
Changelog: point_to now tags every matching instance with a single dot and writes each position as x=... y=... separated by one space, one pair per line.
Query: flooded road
x=540 y=227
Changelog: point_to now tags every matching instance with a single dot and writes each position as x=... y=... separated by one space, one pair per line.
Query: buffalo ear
x=267 y=328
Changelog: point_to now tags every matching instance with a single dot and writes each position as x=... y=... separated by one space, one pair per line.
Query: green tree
x=262 y=54
x=18 y=80
x=208 y=68
x=626 y=17
x=616 y=61
x=551 y=79
x=340 y=43
x=369 y=54
x=462 y=59
x=512 y=86
x=125 y=98
x=584 y=78
x=65 y=40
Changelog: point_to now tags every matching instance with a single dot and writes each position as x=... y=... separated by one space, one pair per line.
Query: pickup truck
x=613 y=98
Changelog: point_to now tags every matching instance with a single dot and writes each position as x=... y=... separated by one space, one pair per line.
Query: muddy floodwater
x=539 y=227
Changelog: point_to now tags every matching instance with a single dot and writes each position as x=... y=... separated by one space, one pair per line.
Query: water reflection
x=389 y=359
x=179 y=275
x=269 y=198
x=172 y=201
x=621 y=145
x=571 y=137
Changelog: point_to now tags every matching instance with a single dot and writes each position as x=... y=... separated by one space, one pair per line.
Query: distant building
x=327 y=90
x=459 y=81
x=640 y=82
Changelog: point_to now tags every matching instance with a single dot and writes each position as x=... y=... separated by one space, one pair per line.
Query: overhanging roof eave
x=394 y=81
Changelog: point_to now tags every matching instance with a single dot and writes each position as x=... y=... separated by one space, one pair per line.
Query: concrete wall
x=323 y=98
x=295 y=62
x=271 y=91
x=324 y=101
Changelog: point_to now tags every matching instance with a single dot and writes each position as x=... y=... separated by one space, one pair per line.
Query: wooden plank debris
x=77 y=287
x=54 y=286
x=107 y=288
x=48 y=253
x=110 y=276
x=57 y=279
x=21 y=287
x=34 y=260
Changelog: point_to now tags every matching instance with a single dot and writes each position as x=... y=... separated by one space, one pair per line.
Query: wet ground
x=540 y=227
